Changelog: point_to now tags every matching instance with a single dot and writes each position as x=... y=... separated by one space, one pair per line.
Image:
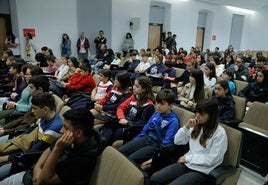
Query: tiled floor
x=249 y=177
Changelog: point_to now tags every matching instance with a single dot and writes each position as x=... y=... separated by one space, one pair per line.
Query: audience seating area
x=113 y=168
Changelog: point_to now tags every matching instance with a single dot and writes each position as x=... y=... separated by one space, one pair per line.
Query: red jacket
x=81 y=83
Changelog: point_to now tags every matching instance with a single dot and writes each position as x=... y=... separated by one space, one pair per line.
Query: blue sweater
x=161 y=128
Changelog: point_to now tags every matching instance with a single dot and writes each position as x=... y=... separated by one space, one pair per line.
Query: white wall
x=122 y=11
x=52 y=18
x=49 y=19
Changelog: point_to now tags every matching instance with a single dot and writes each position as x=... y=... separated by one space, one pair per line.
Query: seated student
x=135 y=111
x=105 y=108
x=258 y=90
x=52 y=65
x=159 y=130
x=116 y=62
x=184 y=78
x=239 y=70
x=169 y=74
x=155 y=71
x=72 y=159
x=81 y=81
x=37 y=84
x=193 y=92
x=5 y=77
x=63 y=69
x=39 y=138
x=141 y=68
x=17 y=109
x=16 y=85
x=103 y=86
x=208 y=144
x=73 y=64
x=225 y=101
x=227 y=75
x=3 y=66
x=209 y=75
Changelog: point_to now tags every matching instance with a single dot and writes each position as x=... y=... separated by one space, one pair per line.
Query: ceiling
x=247 y=4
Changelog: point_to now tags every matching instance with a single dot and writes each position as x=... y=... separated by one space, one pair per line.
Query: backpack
x=79 y=100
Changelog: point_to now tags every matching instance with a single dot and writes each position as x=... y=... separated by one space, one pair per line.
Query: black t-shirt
x=75 y=166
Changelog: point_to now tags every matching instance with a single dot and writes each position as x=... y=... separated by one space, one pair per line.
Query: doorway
x=5 y=26
x=154 y=35
x=200 y=38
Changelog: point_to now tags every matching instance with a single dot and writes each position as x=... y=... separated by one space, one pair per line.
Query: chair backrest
x=240 y=85
x=179 y=71
x=232 y=155
x=257 y=115
x=63 y=110
x=113 y=168
x=59 y=103
x=240 y=107
x=183 y=114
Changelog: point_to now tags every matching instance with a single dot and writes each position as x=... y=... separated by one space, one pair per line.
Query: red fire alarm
x=213 y=37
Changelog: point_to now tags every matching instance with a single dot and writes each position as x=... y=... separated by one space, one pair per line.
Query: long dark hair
x=146 y=84
x=124 y=80
x=212 y=73
x=224 y=84
x=199 y=92
x=210 y=107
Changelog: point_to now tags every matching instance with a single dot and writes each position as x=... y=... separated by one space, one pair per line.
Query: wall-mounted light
x=240 y=10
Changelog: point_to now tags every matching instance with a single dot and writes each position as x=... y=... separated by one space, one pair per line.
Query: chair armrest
x=219 y=174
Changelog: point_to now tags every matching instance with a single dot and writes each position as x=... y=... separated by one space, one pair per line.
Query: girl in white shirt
x=209 y=75
x=207 y=146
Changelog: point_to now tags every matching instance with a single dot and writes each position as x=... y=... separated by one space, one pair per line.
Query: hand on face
x=192 y=123
x=65 y=140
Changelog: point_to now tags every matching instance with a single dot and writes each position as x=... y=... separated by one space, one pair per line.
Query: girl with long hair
x=207 y=146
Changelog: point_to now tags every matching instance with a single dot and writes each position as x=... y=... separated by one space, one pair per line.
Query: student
x=62 y=70
x=52 y=65
x=184 y=78
x=209 y=75
x=169 y=74
x=135 y=111
x=116 y=62
x=159 y=130
x=42 y=136
x=81 y=81
x=194 y=91
x=24 y=104
x=73 y=64
x=103 y=86
x=72 y=159
x=225 y=101
x=37 y=84
x=227 y=75
x=208 y=143
x=155 y=71
x=105 y=108
x=258 y=90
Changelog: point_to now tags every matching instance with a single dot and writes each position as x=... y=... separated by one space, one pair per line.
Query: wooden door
x=154 y=35
x=2 y=34
x=200 y=38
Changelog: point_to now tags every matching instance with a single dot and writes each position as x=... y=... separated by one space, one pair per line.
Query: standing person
x=30 y=48
x=12 y=43
x=159 y=130
x=82 y=46
x=72 y=159
x=65 y=45
x=100 y=40
x=169 y=40
x=128 y=44
x=208 y=144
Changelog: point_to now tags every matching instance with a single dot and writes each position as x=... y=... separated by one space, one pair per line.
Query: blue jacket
x=226 y=108
x=161 y=128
